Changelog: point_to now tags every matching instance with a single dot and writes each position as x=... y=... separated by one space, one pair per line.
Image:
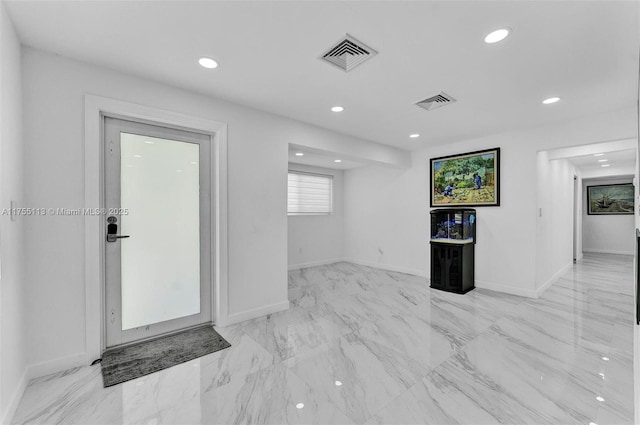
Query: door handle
x=112 y=230
x=113 y=238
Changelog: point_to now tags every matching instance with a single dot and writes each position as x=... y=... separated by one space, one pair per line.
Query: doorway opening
x=564 y=228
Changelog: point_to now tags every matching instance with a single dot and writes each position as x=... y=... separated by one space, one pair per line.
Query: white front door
x=157 y=230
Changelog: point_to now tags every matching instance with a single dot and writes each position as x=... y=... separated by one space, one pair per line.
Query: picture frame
x=611 y=199
x=469 y=179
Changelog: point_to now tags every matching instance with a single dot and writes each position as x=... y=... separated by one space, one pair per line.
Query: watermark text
x=30 y=212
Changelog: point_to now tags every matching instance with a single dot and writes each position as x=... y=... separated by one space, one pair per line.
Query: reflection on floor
x=361 y=345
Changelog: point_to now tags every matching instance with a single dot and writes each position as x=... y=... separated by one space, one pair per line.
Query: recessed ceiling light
x=137 y=156
x=606 y=359
x=337 y=109
x=149 y=142
x=414 y=135
x=178 y=171
x=599 y=398
x=299 y=405
x=337 y=160
x=551 y=100
x=338 y=383
x=194 y=163
x=598 y=154
x=208 y=63
x=605 y=165
x=603 y=160
x=299 y=154
x=497 y=35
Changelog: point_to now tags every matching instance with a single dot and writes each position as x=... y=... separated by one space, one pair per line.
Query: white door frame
x=113 y=148
x=95 y=108
x=576 y=204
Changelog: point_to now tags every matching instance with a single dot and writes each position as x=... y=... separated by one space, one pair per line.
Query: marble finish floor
x=366 y=346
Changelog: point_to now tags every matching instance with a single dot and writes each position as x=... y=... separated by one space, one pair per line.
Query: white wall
x=612 y=234
x=388 y=209
x=555 y=215
x=317 y=239
x=578 y=218
x=54 y=89
x=386 y=217
x=636 y=334
x=12 y=280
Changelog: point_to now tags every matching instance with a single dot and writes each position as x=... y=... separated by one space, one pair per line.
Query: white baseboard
x=513 y=290
x=56 y=365
x=373 y=264
x=15 y=399
x=315 y=263
x=389 y=267
x=553 y=279
x=580 y=257
x=608 y=251
x=256 y=312
x=38 y=370
x=524 y=292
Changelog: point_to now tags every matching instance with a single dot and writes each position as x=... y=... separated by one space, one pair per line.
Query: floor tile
x=362 y=345
x=369 y=374
x=271 y=396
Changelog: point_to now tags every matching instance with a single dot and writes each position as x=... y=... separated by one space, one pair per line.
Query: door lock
x=112 y=230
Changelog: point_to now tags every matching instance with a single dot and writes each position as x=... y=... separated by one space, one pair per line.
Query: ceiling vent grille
x=436 y=101
x=348 y=53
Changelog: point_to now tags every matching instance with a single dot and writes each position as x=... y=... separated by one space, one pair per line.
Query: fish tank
x=456 y=226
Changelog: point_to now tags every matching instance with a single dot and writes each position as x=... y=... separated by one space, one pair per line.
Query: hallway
x=361 y=345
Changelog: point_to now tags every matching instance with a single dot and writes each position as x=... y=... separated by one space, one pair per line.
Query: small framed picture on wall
x=610 y=199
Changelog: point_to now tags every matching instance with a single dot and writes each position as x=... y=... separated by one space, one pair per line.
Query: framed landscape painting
x=610 y=199
x=469 y=179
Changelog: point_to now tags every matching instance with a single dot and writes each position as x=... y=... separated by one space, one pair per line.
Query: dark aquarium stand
x=453 y=240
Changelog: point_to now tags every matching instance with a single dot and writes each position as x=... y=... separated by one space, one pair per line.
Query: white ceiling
x=619 y=159
x=619 y=155
x=323 y=159
x=585 y=52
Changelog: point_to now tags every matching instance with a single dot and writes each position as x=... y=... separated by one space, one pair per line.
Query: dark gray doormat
x=130 y=362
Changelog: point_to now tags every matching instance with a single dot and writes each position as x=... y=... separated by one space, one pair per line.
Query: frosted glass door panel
x=161 y=260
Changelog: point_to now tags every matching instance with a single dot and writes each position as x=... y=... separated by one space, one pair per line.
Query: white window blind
x=310 y=193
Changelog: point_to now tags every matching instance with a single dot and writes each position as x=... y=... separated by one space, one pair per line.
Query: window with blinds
x=310 y=194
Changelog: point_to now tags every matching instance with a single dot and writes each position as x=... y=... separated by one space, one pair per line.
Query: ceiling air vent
x=436 y=101
x=348 y=53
